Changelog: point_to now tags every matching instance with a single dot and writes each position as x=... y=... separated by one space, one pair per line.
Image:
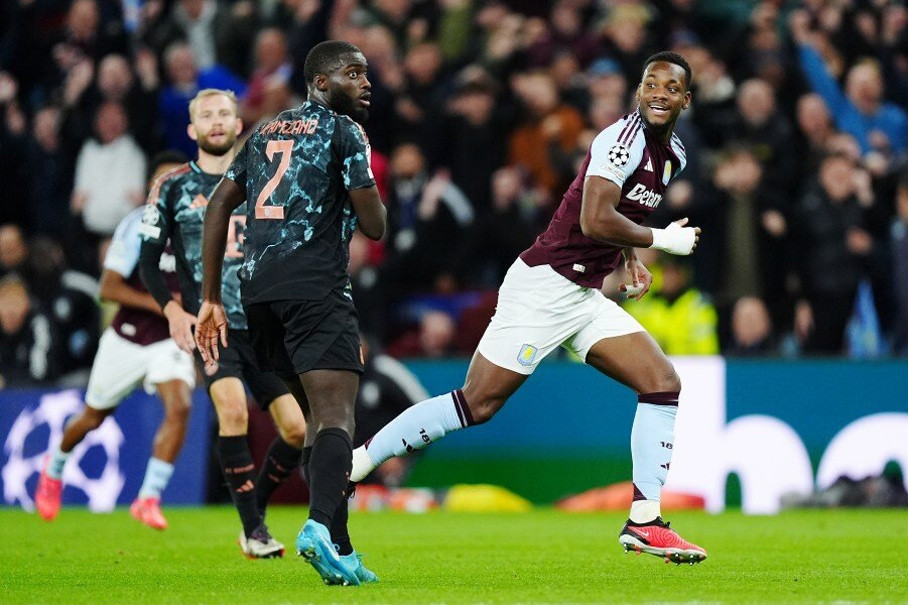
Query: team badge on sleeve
x=150 y=217
x=619 y=155
x=150 y=214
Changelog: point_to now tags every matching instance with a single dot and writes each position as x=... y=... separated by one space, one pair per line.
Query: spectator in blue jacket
x=859 y=110
x=185 y=80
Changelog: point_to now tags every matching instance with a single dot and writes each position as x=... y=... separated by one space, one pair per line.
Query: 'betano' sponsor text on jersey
x=297 y=171
x=137 y=325
x=176 y=211
x=635 y=160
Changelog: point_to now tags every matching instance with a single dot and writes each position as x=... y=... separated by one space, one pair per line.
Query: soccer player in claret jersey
x=135 y=349
x=551 y=296
x=175 y=212
x=308 y=183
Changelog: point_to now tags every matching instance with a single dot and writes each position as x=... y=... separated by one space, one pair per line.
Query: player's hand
x=676 y=238
x=180 y=323
x=211 y=328
x=640 y=277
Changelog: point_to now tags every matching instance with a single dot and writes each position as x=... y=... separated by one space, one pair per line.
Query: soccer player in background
x=308 y=183
x=175 y=212
x=136 y=348
x=551 y=296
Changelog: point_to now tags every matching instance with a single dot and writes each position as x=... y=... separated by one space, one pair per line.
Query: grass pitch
x=539 y=557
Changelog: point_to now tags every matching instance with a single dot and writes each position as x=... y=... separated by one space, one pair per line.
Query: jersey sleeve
x=154 y=231
x=123 y=253
x=237 y=171
x=355 y=154
x=616 y=151
x=155 y=226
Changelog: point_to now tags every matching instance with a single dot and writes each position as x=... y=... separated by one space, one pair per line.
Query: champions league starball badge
x=619 y=155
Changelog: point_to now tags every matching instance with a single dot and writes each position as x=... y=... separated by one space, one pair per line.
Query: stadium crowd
x=481 y=112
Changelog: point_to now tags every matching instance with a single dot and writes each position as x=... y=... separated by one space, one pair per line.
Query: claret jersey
x=296 y=171
x=137 y=325
x=626 y=154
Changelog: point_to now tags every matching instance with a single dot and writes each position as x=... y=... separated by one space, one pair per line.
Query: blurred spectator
x=27 y=342
x=185 y=81
x=116 y=82
x=751 y=329
x=489 y=248
x=763 y=130
x=746 y=254
x=13 y=249
x=626 y=36
x=87 y=35
x=50 y=176
x=815 y=130
x=548 y=123
x=830 y=242
x=110 y=178
x=473 y=144
x=564 y=32
x=678 y=316
x=369 y=290
x=421 y=95
x=386 y=389
x=900 y=267
x=715 y=92
x=217 y=33
x=434 y=337
x=606 y=82
x=272 y=71
x=859 y=110
x=69 y=300
x=427 y=217
x=13 y=130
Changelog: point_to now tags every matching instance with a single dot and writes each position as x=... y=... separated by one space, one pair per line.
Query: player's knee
x=484 y=408
x=666 y=382
x=177 y=411
x=93 y=418
x=233 y=417
x=294 y=434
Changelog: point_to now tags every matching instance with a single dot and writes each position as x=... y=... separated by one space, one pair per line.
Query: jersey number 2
x=271 y=211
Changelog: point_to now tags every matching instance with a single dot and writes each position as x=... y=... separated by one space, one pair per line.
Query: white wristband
x=674 y=239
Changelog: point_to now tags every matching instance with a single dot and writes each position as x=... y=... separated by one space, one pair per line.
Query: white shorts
x=539 y=309
x=121 y=365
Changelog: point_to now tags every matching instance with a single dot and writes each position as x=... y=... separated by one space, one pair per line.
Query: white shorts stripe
x=539 y=309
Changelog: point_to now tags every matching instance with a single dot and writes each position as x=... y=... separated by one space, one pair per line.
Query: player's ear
x=686 y=102
x=321 y=82
x=190 y=130
x=239 y=126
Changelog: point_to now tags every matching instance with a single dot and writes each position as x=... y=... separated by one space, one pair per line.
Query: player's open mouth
x=364 y=101
x=659 y=110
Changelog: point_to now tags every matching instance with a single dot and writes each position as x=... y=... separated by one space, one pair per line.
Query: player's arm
x=226 y=198
x=356 y=171
x=371 y=212
x=154 y=232
x=611 y=163
x=121 y=260
x=601 y=221
x=115 y=288
x=211 y=326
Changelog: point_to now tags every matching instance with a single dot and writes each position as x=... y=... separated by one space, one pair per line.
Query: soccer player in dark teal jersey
x=176 y=209
x=307 y=182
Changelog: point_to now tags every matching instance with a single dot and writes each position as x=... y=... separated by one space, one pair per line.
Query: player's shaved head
x=673 y=58
x=325 y=57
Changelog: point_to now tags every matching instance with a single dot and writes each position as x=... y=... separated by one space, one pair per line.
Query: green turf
x=538 y=557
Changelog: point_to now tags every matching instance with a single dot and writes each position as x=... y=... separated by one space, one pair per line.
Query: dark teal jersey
x=176 y=211
x=297 y=171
